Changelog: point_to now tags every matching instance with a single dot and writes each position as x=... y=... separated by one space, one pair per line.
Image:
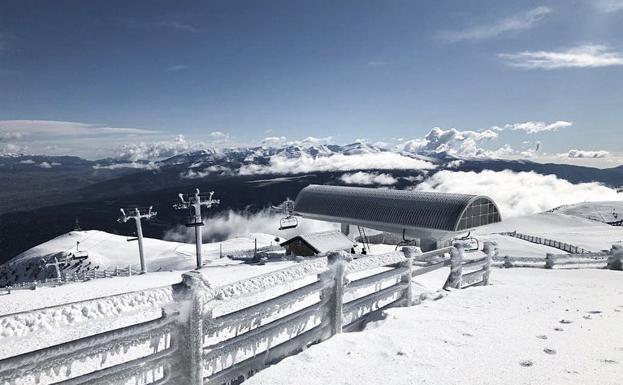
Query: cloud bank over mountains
x=519 y=193
x=143 y=148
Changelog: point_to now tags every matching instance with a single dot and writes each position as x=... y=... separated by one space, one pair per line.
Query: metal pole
x=139 y=233
x=198 y=235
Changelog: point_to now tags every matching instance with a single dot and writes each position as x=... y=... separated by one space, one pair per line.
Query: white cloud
x=11 y=148
x=158 y=149
x=451 y=141
x=520 y=22
x=234 y=223
x=587 y=154
x=583 y=56
x=455 y=163
x=518 y=193
x=218 y=134
x=45 y=165
x=27 y=161
x=280 y=164
x=136 y=165
x=176 y=24
x=533 y=127
x=177 y=68
x=608 y=6
x=368 y=178
x=212 y=170
x=273 y=141
x=25 y=128
x=9 y=135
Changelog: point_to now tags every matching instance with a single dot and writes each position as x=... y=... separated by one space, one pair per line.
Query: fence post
x=456 y=267
x=549 y=261
x=407 y=277
x=491 y=249
x=507 y=262
x=335 y=278
x=199 y=292
x=615 y=259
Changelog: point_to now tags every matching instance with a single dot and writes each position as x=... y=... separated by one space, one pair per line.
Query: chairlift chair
x=472 y=243
x=288 y=222
x=405 y=241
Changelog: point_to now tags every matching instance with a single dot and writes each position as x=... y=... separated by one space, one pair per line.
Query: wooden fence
x=73 y=276
x=569 y=248
x=608 y=259
x=193 y=333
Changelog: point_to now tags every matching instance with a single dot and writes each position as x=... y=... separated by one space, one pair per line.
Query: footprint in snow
x=594 y=312
x=609 y=361
x=549 y=351
x=565 y=321
x=542 y=337
x=526 y=363
x=558 y=329
x=588 y=316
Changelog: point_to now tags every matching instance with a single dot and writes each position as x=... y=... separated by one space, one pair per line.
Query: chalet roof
x=324 y=241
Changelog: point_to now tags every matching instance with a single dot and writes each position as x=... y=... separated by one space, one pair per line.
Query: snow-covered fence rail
x=127 y=337
x=193 y=333
x=569 y=248
x=250 y=253
x=473 y=272
x=72 y=276
x=607 y=259
x=85 y=275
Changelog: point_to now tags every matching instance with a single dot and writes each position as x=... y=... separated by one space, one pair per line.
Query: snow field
x=529 y=327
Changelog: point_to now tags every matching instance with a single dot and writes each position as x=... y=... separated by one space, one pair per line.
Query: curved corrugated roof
x=395 y=209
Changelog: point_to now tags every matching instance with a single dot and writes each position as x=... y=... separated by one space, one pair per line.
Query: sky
x=545 y=78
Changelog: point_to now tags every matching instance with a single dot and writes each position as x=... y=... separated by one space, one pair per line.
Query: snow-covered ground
x=219 y=273
x=529 y=327
x=611 y=211
x=581 y=232
x=108 y=251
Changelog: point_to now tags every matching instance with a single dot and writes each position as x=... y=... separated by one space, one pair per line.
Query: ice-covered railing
x=569 y=248
x=606 y=259
x=90 y=342
x=194 y=333
x=73 y=276
x=325 y=296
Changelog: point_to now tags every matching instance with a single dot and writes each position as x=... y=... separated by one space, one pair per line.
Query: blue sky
x=379 y=70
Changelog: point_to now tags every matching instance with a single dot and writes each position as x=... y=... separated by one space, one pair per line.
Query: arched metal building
x=428 y=216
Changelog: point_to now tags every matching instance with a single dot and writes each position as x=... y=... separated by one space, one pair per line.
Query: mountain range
x=46 y=196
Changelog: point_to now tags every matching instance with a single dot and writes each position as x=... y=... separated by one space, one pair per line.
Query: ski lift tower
x=137 y=214
x=194 y=202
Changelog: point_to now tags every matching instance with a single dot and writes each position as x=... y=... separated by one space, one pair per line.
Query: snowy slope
x=529 y=327
x=597 y=211
x=108 y=251
x=582 y=232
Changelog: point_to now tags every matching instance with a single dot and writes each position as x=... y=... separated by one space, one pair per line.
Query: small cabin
x=307 y=245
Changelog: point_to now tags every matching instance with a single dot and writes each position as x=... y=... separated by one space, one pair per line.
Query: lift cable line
x=194 y=202
x=137 y=214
